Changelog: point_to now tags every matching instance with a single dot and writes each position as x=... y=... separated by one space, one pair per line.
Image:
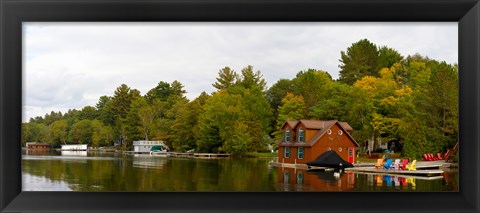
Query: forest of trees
x=411 y=101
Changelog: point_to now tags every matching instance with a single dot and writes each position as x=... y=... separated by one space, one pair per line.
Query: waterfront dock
x=288 y=165
x=210 y=155
x=423 y=168
x=418 y=177
x=428 y=172
x=180 y=154
x=428 y=169
x=420 y=164
x=196 y=155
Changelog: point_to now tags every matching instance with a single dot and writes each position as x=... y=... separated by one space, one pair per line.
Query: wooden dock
x=210 y=155
x=429 y=169
x=135 y=153
x=191 y=155
x=289 y=165
x=404 y=175
x=180 y=154
x=428 y=166
x=426 y=172
x=420 y=165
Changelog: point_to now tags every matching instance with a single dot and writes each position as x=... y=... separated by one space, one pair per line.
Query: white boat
x=159 y=150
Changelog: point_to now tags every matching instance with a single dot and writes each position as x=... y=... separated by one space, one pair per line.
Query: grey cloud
x=70 y=64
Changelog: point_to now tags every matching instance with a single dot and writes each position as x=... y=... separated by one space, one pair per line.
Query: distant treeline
x=411 y=101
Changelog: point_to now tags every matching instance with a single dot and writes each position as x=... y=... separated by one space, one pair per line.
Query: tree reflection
x=99 y=172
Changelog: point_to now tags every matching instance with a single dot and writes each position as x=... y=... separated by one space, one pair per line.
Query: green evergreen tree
x=361 y=59
x=226 y=78
x=249 y=79
x=162 y=91
x=387 y=57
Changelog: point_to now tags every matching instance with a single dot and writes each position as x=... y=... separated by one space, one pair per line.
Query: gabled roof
x=346 y=126
x=316 y=124
x=292 y=124
x=320 y=133
x=313 y=124
x=320 y=125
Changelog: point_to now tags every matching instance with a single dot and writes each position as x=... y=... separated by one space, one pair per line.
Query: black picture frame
x=13 y=12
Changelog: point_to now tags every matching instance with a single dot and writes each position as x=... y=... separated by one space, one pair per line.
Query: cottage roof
x=346 y=126
x=320 y=133
x=321 y=125
x=316 y=124
x=313 y=124
x=291 y=123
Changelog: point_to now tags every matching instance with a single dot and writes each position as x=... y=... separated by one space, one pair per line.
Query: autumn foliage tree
x=410 y=101
x=292 y=108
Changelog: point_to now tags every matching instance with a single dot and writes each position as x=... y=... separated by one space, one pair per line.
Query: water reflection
x=395 y=181
x=291 y=179
x=301 y=180
x=112 y=172
x=146 y=161
x=147 y=173
x=37 y=152
x=74 y=153
x=40 y=183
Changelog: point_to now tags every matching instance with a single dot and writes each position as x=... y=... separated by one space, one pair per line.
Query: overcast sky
x=70 y=65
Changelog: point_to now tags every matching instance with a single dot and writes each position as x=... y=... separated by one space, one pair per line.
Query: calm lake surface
x=79 y=171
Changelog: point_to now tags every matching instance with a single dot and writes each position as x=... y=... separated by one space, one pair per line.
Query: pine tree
x=361 y=59
x=226 y=78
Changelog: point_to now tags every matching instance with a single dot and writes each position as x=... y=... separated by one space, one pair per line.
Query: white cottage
x=75 y=147
x=146 y=146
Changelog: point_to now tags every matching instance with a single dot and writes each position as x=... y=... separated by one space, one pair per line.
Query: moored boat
x=329 y=159
x=159 y=150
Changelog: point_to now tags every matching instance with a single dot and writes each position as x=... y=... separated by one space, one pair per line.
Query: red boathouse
x=304 y=140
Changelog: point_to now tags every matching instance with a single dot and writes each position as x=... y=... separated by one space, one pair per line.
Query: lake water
x=79 y=171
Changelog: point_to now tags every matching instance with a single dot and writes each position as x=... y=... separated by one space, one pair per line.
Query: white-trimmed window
x=286 y=152
x=329 y=131
x=340 y=132
x=301 y=135
x=288 y=135
x=300 y=153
